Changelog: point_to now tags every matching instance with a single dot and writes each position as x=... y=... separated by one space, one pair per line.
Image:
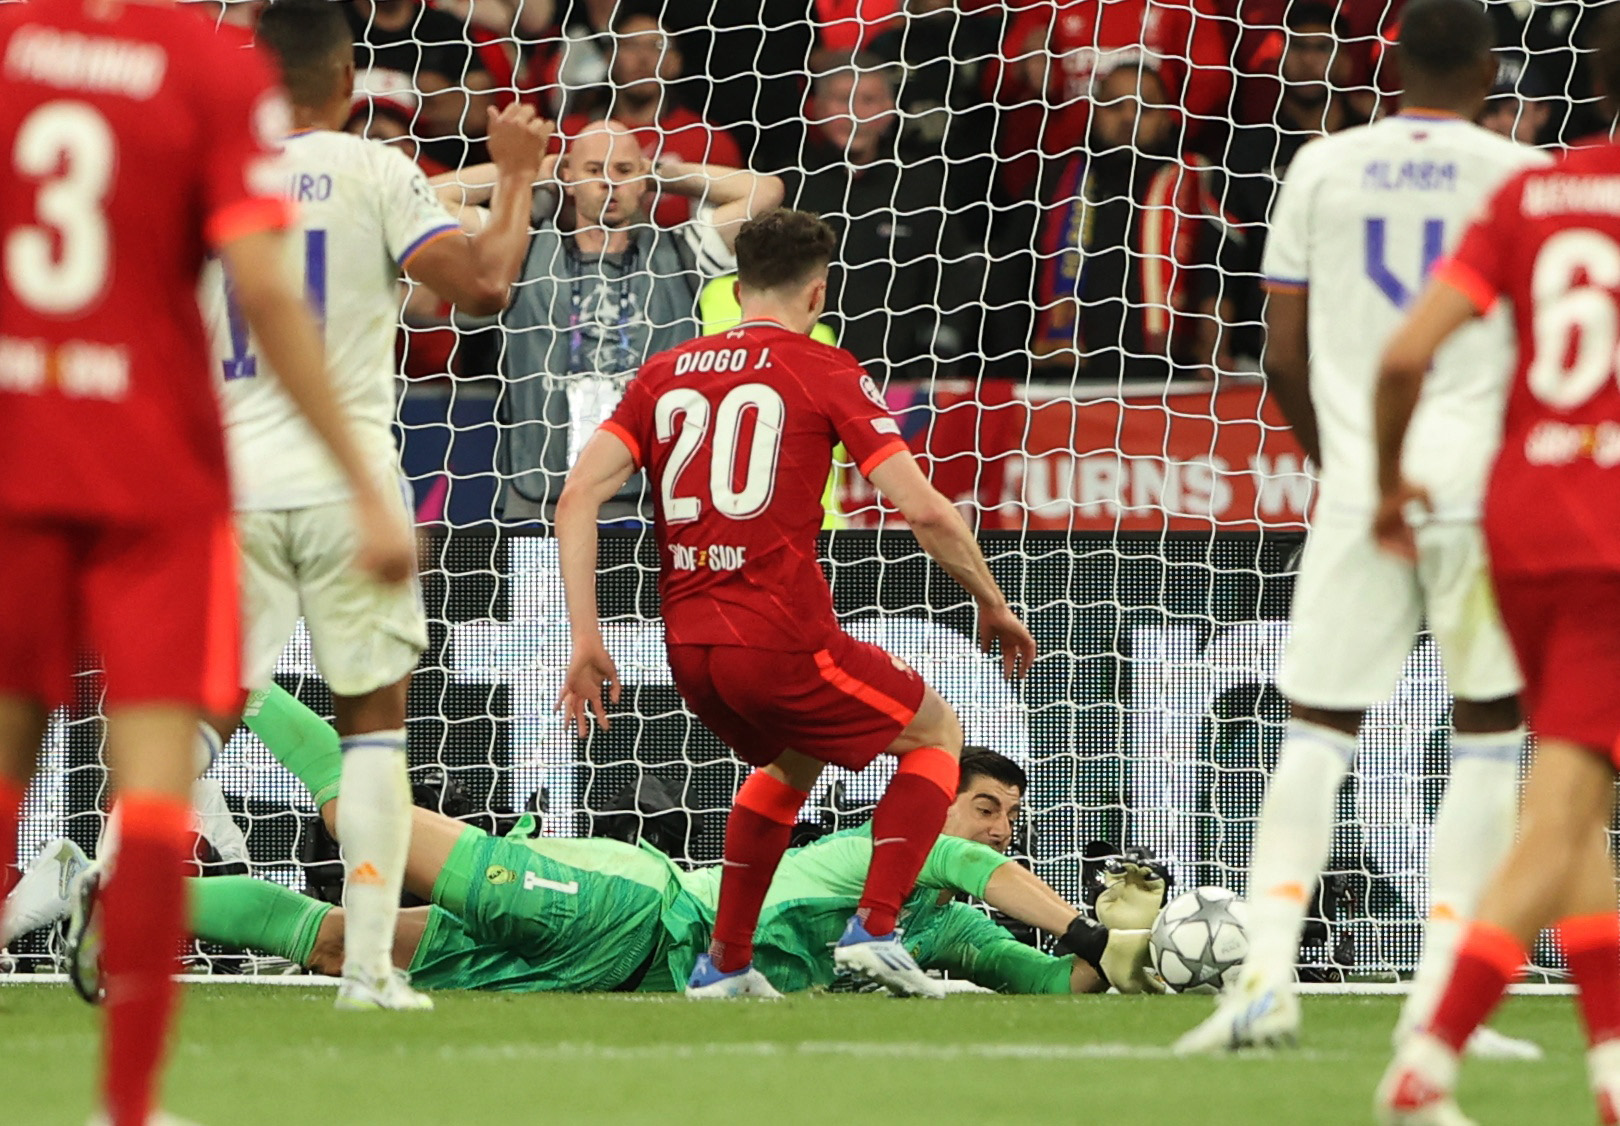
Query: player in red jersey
x=1549 y=244
x=132 y=140
x=736 y=432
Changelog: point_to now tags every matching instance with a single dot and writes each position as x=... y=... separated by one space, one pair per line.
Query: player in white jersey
x=1362 y=218
x=365 y=213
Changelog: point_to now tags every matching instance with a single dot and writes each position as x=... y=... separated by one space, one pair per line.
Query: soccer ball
x=1200 y=938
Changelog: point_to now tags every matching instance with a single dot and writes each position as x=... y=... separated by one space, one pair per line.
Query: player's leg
x=1559 y=868
x=373 y=825
x=22 y=726
x=247 y=913
x=1474 y=826
x=326 y=955
x=911 y=812
x=366 y=640
x=905 y=826
x=758 y=831
x=174 y=588
x=37 y=572
x=142 y=903
x=1355 y=615
x=1473 y=829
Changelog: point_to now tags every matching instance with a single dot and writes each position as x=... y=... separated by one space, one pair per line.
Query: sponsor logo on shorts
x=495 y=874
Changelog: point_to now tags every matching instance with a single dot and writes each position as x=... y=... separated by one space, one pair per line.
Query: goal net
x=1051 y=218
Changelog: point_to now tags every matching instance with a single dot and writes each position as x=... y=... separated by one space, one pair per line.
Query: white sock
x=1473 y=830
x=215 y=823
x=374 y=827
x=1291 y=845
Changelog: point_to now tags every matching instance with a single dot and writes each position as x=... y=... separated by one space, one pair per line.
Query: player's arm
x=603 y=467
x=736 y=194
x=965 y=944
x=279 y=317
x=476 y=273
x=945 y=536
x=1440 y=311
x=1287 y=361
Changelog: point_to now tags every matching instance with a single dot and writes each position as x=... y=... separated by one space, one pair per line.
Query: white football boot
x=156 y=1118
x=1417 y=1088
x=1252 y=1014
x=44 y=895
x=884 y=960
x=392 y=991
x=709 y=984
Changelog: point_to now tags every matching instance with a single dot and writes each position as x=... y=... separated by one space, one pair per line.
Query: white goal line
x=1354 y=988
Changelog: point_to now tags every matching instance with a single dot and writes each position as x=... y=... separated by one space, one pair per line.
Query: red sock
x=757 y=834
x=1487 y=962
x=11 y=796
x=1592 y=950
x=143 y=918
x=905 y=826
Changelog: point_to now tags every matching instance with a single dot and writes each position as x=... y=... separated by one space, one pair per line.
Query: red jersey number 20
x=58 y=265
x=684 y=415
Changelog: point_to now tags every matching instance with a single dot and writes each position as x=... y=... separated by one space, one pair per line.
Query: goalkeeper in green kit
x=533 y=914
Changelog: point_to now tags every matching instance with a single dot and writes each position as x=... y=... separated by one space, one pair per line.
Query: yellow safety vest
x=719 y=311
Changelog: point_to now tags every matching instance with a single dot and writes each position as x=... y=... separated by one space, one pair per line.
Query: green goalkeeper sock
x=243 y=912
x=302 y=741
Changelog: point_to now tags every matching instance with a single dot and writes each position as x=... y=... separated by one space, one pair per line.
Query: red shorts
x=1565 y=630
x=156 y=604
x=843 y=705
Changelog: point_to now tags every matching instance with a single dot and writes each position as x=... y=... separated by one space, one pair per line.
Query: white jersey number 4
x=688 y=409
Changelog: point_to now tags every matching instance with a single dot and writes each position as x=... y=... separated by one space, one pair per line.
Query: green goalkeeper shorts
x=547 y=914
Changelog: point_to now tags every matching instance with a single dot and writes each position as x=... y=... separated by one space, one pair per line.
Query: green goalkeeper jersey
x=555 y=914
x=818 y=887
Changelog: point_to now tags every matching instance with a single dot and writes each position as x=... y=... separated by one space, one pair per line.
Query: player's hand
x=386 y=549
x=1001 y=626
x=588 y=669
x=517 y=140
x=1391 y=526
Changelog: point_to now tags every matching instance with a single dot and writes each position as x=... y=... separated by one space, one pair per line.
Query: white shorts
x=1357 y=612
x=300 y=561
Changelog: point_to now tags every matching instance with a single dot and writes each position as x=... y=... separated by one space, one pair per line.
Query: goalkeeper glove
x=1134 y=889
x=1121 y=957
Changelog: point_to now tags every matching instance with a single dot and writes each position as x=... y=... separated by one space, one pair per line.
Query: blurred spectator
x=941 y=54
x=645 y=63
x=1130 y=246
x=385 y=109
x=576 y=72
x=434 y=49
x=1520 y=106
x=902 y=281
x=602 y=289
x=1311 y=101
x=1553 y=36
x=850 y=25
x=1261 y=25
x=528 y=19
x=1052 y=48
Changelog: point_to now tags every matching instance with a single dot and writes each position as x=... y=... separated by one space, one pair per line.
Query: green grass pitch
x=263 y=1056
